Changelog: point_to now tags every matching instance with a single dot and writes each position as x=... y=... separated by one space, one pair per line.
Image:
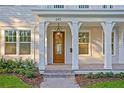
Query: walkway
x=59 y=79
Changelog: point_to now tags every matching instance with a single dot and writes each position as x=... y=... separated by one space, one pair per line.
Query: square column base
x=41 y=68
x=107 y=67
x=75 y=67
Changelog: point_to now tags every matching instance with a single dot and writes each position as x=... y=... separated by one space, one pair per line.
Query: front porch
x=87 y=68
x=81 y=44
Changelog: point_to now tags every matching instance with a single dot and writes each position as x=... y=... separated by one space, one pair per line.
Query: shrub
x=8 y=70
x=109 y=74
x=2 y=70
x=30 y=74
x=18 y=66
x=89 y=75
x=20 y=71
x=121 y=74
x=30 y=65
x=99 y=75
x=117 y=75
x=20 y=63
x=3 y=63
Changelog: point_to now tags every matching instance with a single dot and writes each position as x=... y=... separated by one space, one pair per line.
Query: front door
x=58 y=47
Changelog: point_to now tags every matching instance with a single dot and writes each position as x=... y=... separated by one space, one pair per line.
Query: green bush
x=20 y=71
x=3 y=63
x=8 y=70
x=121 y=74
x=89 y=75
x=109 y=74
x=99 y=75
x=19 y=66
x=30 y=74
x=2 y=70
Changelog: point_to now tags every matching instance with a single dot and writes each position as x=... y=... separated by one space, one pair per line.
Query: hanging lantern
x=58 y=30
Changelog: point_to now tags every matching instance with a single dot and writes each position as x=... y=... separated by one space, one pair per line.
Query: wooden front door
x=58 y=47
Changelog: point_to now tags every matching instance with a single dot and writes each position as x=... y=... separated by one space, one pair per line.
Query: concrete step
x=58 y=73
x=58 y=76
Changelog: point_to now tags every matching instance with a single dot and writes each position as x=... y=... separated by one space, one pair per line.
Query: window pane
x=112 y=48
x=10 y=36
x=10 y=48
x=83 y=37
x=25 y=36
x=83 y=49
x=112 y=37
x=24 y=48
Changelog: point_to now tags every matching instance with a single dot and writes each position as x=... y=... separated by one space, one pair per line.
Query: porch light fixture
x=58 y=29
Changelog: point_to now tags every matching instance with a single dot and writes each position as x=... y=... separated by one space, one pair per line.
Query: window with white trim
x=10 y=41
x=24 y=42
x=83 y=43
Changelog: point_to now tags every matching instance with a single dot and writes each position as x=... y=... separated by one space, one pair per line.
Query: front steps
x=58 y=74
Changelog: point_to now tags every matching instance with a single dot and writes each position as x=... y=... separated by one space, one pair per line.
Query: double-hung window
x=24 y=42
x=10 y=41
x=17 y=40
x=84 y=43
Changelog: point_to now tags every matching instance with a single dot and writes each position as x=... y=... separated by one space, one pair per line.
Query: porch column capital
x=107 y=26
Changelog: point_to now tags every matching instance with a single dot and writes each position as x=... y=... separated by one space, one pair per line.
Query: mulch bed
x=35 y=82
x=83 y=81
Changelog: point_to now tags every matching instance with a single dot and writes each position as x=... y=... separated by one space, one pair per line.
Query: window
x=58 y=6
x=111 y=45
x=10 y=42
x=25 y=42
x=83 y=6
x=104 y=6
x=111 y=6
x=83 y=42
x=112 y=42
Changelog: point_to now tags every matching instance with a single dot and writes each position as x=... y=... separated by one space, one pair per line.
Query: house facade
x=85 y=37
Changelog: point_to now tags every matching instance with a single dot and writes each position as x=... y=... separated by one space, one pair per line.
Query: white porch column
x=107 y=27
x=75 y=30
x=42 y=46
x=121 y=48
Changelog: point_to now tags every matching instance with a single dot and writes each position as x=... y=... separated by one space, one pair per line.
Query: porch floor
x=84 y=67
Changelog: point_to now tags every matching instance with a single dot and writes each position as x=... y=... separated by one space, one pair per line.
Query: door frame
x=64 y=47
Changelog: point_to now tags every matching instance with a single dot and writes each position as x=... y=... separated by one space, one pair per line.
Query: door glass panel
x=58 y=43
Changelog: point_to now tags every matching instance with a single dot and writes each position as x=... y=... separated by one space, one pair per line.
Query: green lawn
x=113 y=84
x=7 y=81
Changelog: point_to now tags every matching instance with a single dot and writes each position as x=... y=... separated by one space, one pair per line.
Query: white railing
x=82 y=7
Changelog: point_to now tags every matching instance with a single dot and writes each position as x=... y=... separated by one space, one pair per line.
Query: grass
x=7 y=81
x=112 y=84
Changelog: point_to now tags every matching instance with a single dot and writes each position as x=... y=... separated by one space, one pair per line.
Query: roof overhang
x=112 y=13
